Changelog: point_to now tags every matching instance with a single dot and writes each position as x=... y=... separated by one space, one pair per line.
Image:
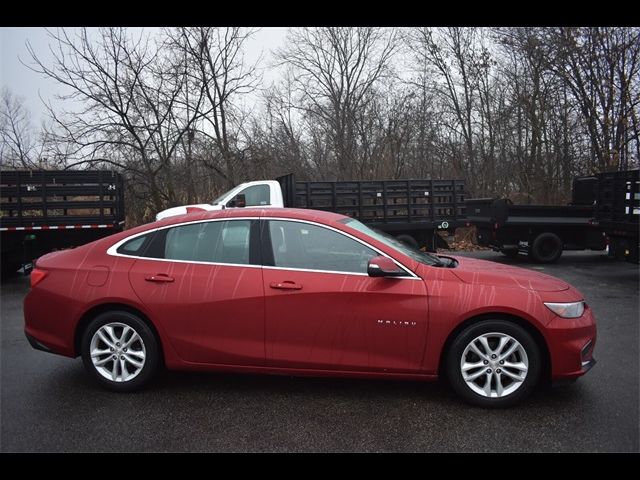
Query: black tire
x=152 y=354
x=546 y=248
x=10 y=263
x=464 y=338
x=408 y=240
x=512 y=253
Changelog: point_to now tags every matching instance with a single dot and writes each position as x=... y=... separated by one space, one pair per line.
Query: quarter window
x=133 y=246
x=302 y=245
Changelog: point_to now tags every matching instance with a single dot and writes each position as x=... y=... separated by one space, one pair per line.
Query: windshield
x=417 y=255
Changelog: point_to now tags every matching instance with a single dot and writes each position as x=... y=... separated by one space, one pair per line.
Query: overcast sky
x=27 y=84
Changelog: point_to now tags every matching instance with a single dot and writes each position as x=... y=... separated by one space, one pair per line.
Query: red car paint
x=264 y=319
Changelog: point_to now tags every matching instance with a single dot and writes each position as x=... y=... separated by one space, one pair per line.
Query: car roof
x=292 y=213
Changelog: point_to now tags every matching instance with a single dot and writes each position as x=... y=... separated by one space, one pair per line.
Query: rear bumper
x=36 y=344
x=46 y=323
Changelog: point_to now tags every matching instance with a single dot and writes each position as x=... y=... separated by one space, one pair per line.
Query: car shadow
x=68 y=384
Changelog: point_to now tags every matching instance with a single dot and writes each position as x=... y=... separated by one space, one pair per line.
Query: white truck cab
x=261 y=193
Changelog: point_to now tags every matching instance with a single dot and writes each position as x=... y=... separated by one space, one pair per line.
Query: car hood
x=482 y=272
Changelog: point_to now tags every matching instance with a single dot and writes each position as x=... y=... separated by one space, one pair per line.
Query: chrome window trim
x=269 y=267
x=411 y=275
x=112 y=251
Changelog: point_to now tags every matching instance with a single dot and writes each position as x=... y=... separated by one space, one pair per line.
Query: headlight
x=566 y=310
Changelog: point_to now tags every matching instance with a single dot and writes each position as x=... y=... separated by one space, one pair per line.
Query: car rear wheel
x=120 y=351
x=493 y=363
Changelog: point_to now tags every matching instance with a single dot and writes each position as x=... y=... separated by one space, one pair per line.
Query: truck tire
x=10 y=264
x=546 y=248
x=408 y=240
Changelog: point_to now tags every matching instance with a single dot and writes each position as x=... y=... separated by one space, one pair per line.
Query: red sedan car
x=303 y=292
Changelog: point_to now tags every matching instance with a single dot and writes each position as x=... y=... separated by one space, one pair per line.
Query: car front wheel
x=493 y=363
x=120 y=351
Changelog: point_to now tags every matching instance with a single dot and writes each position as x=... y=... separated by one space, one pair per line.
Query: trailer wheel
x=546 y=248
x=10 y=264
x=408 y=240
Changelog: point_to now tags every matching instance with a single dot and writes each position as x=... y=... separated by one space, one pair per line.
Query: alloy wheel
x=494 y=365
x=118 y=352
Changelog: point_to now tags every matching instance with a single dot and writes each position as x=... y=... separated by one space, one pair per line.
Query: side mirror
x=238 y=201
x=381 y=266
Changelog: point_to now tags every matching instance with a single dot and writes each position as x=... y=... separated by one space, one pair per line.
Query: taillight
x=37 y=276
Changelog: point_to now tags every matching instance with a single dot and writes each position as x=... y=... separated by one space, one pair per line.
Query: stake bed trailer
x=45 y=210
x=411 y=210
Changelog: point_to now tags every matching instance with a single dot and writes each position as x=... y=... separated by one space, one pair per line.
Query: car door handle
x=160 y=278
x=286 y=285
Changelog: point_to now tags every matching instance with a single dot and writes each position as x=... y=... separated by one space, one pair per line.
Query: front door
x=324 y=312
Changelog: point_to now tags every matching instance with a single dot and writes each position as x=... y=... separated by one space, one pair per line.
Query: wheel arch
x=96 y=310
x=537 y=335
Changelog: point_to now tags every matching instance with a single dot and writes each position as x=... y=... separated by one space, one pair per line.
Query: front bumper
x=571 y=344
x=586 y=366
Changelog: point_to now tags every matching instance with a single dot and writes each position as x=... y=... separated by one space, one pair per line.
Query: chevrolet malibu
x=303 y=292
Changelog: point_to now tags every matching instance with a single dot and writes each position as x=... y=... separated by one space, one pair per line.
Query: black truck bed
x=390 y=204
x=618 y=212
x=540 y=231
x=53 y=198
x=618 y=201
x=490 y=211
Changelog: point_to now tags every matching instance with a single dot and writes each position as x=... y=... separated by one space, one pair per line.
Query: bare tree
x=514 y=111
x=601 y=67
x=451 y=53
x=335 y=69
x=216 y=61
x=129 y=113
x=277 y=136
x=18 y=146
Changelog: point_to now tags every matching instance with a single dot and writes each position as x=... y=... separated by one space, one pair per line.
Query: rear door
x=203 y=282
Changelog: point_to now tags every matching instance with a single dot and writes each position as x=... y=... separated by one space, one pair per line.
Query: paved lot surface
x=48 y=403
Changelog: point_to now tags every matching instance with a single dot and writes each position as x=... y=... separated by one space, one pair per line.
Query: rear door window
x=215 y=242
